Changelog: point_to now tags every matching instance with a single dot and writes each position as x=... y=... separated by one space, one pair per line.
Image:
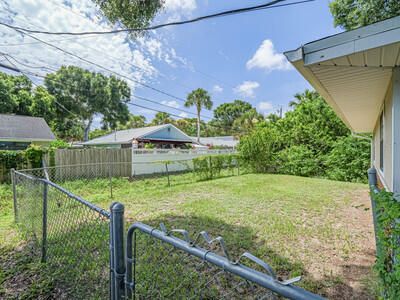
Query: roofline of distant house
x=8 y=139
x=130 y=141
x=96 y=141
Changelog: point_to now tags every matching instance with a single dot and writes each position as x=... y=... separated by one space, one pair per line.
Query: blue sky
x=235 y=57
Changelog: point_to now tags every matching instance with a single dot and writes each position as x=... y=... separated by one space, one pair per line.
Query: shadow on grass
x=77 y=266
x=164 y=267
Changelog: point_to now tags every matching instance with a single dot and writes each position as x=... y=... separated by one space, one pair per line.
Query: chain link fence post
x=118 y=252
x=44 y=222
x=14 y=189
x=166 y=169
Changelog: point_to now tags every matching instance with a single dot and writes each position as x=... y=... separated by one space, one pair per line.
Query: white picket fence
x=152 y=161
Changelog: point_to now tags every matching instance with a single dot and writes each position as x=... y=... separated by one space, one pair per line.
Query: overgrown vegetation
x=310 y=140
x=29 y=158
x=211 y=166
x=268 y=223
x=388 y=232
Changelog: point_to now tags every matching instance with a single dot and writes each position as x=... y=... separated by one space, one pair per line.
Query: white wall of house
x=152 y=161
x=389 y=172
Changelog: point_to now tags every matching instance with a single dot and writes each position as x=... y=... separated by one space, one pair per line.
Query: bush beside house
x=310 y=140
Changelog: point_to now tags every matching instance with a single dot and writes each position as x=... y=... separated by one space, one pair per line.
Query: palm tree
x=302 y=97
x=199 y=98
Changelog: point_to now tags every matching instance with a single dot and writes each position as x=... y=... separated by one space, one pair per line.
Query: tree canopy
x=351 y=14
x=226 y=114
x=161 y=118
x=310 y=140
x=84 y=94
x=131 y=14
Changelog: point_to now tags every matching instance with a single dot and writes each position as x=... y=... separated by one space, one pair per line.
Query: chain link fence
x=69 y=235
x=82 y=245
x=109 y=178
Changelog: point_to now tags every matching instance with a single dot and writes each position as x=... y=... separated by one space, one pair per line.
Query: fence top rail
x=105 y=163
x=268 y=281
x=180 y=151
x=76 y=165
x=99 y=210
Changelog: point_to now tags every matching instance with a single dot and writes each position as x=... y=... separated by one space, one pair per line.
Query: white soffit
x=352 y=70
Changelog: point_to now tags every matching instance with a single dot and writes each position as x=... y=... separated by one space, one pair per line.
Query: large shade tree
x=200 y=99
x=226 y=114
x=15 y=94
x=130 y=13
x=350 y=14
x=84 y=94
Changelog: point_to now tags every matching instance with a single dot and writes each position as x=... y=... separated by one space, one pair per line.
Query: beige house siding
x=387 y=172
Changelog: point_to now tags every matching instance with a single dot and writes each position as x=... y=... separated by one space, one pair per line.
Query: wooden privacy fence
x=90 y=163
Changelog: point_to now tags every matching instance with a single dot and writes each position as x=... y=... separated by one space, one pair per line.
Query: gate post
x=117 y=263
x=14 y=189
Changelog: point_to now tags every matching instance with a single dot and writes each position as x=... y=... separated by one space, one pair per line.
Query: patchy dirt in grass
x=350 y=259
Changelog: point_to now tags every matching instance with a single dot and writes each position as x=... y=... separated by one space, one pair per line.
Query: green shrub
x=298 y=160
x=388 y=232
x=209 y=167
x=59 y=144
x=349 y=159
x=258 y=149
x=34 y=155
x=12 y=159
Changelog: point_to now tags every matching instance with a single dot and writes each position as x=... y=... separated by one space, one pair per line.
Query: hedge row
x=388 y=235
x=209 y=167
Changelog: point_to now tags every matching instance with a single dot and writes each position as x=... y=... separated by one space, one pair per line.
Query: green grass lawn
x=316 y=228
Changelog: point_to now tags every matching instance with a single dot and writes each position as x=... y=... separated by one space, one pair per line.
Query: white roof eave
x=375 y=36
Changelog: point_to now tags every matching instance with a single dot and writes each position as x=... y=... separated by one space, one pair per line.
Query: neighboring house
x=358 y=74
x=162 y=136
x=218 y=141
x=18 y=132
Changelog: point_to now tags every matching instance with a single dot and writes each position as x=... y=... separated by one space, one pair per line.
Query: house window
x=381 y=134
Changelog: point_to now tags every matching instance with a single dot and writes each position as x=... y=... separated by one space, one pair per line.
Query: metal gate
x=157 y=264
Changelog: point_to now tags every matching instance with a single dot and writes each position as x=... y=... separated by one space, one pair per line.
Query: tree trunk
x=87 y=129
x=198 y=126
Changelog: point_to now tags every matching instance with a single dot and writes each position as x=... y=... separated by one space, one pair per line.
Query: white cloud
x=115 y=52
x=177 y=9
x=268 y=59
x=246 y=89
x=171 y=103
x=217 y=89
x=183 y=115
x=265 y=106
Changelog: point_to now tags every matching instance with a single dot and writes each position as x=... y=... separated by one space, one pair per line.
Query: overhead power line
x=26 y=73
x=9 y=67
x=175 y=115
x=16 y=69
x=268 y=5
x=23 y=73
x=55 y=81
x=97 y=65
x=169 y=106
